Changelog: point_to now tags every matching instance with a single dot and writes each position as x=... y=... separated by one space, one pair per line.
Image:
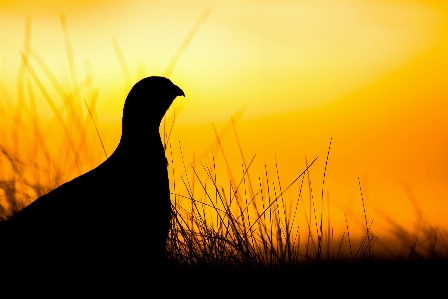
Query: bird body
x=112 y=221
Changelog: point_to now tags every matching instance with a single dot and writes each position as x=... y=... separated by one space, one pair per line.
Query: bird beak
x=178 y=92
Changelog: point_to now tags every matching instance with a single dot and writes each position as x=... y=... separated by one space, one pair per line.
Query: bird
x=109 y=224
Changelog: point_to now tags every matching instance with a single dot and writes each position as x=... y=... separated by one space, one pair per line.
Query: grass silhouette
x=240 y=226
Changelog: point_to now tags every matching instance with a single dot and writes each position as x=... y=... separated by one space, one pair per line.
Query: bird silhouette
x=109 y=224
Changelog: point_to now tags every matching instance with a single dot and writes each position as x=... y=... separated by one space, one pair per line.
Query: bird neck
x=141 y=147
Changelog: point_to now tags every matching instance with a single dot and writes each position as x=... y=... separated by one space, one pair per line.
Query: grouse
x=111 y=223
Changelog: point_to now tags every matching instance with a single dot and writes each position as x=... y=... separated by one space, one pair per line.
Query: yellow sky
x=370 y=74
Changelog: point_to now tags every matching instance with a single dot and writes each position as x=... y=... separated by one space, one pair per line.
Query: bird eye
x=153 y=90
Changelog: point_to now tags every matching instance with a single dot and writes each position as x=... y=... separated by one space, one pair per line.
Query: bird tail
x=5 y=253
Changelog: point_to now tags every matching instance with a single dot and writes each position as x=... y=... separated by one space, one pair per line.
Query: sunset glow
x=371 y=75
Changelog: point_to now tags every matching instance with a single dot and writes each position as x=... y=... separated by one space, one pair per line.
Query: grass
x=235 y=224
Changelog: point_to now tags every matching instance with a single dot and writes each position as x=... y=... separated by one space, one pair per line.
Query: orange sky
x=371 y=75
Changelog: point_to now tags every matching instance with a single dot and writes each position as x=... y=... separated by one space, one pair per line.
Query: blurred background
x=371 y=75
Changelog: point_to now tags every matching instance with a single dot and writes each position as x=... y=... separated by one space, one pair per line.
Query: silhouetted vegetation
x=221 y=226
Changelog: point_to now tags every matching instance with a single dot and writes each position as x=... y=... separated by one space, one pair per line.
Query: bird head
x=147 y=103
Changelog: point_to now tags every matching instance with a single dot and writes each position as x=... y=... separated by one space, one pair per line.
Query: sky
x=369 y=75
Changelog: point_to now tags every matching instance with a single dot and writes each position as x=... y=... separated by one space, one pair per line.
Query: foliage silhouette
x=267 y=247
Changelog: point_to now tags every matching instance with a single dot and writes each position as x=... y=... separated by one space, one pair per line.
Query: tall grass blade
x=99 y=136
x=183 y=46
